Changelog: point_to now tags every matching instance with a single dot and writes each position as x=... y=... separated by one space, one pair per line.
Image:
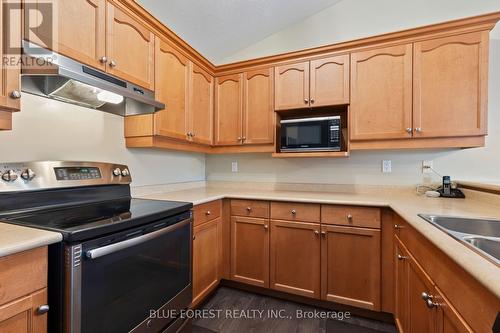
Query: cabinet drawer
x=367 y=217
x=295 y=211
x=206 y=212
x=23 y=273
x=250 y=208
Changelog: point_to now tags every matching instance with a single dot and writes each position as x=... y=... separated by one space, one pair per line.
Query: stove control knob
x=117 y=172
x=125 y=173
x=9 y=176
x=28 y=174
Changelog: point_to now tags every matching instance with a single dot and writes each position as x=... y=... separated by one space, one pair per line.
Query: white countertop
x=404 y=202
x=14 y=238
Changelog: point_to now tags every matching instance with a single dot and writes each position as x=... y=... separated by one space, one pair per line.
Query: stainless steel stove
x=121 y=258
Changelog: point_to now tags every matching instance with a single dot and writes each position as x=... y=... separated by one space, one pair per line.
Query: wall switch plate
x=234 y=167
x=386 y=166
x=427 y=166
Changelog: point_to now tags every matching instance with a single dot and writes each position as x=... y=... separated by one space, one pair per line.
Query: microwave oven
x=310 y=134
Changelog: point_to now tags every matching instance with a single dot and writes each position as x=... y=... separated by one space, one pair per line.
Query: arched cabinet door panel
x=292 y=86
x=381 y=93
x=330 y=81
x=450 y=86
x=228 y=110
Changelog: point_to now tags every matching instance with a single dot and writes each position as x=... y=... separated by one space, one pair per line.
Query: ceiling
x=219 y=28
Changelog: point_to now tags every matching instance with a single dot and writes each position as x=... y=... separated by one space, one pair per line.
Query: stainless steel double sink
x=482 y=235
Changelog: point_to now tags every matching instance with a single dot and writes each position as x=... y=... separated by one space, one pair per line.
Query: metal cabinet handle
x=316 y=232
x=312 y=100
x=400 y=257
x=294 y=212
x=409 y=130
x=239 y=138
x=349 y=218
x=208 y=213
x=266 y=226
x=323 y=233
x=42 y=309
x=249 y=209
x=112 y=63
x=15 y=94
x=418 y=129
x=426 y=296
x=103 y=60
x=430 y=304
x=306 y=101
x=397 y=226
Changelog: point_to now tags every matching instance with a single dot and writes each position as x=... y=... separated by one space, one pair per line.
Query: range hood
x=49 y=74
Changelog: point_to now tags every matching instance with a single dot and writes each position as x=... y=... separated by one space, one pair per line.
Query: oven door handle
x=112 y=248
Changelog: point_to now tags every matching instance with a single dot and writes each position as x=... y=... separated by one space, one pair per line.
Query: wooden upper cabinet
x=291 y=86
x=200 y=109
x=381 y=93
x=10 y=83
x=129 y=48
x=450 y=86
x=330 y=81
x=250 y=250
x=171 y=81
x=350 y=264
x=228 y=110
x=258 y=110
x=81 y=31
x=295 y=269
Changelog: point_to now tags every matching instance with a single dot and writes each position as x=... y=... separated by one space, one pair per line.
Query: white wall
x=353 y=19
x=50 y=130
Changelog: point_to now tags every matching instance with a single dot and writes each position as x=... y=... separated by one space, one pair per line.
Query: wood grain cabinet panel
x=258 y=110
x=381 y=93
x=354 y=216
x=21 y=315
x=291 y=86
x=350 y=263
x=81 y=32
x=295 y=211
x=130 y=48
x=228 y=110
x=250 y=208
x=330 y=81
x=207 y=258
x=201 y=105
x=206 y=212
x=450 y=86
x=295 y=258
x=250 y=250
x=171 y=81
x=401 y=285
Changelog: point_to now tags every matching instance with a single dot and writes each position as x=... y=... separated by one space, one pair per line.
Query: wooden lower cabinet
x=250 y=250
x=350 y=266
x=207 y=258
x=22 y=316
x=295 y=258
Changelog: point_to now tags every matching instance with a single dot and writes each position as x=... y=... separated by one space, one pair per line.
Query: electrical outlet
x=427 y=166
x=386 y=166
x=234 y=167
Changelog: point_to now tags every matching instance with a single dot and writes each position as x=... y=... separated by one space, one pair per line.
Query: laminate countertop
x=405 y=202
x=14 y=238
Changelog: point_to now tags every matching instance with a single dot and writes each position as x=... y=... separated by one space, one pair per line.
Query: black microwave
x=311 y=134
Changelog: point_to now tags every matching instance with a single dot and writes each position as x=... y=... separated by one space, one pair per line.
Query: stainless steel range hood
x=48 y=74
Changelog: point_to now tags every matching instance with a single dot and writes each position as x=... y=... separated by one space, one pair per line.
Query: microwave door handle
x=112 y=248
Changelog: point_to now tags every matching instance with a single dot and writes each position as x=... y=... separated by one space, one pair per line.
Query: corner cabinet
x=319 y=82
x=450 y=86
x=244 y=112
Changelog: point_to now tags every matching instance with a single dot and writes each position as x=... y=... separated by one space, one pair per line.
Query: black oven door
x=308 y=135
x=125 y=277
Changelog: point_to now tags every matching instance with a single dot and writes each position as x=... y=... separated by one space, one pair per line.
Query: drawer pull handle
x=266 y=226
x=400 y=257
x=42 y=309
x=316 y=232
x=208 y=213
x=349 y=218
x=323 y=233
x=397 y=226
x=249 y=209
x=430 y=304
x=294 y=212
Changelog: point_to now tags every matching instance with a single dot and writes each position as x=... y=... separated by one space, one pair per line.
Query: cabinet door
x=449 y=320
x=421 y=317
x=381 y=93
x=291 y=86
x=330 y=81
x=401 y=287
x=10 y=70
x=172 y=74
x=130 y=48
x=450 y=86
x=207 y=258
x=258 y=110
x=228 y=110
x=295 y=258
x=200 y=111
x=250 y=250
x=81 y=31
x=350 y=264
x=22 y=316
